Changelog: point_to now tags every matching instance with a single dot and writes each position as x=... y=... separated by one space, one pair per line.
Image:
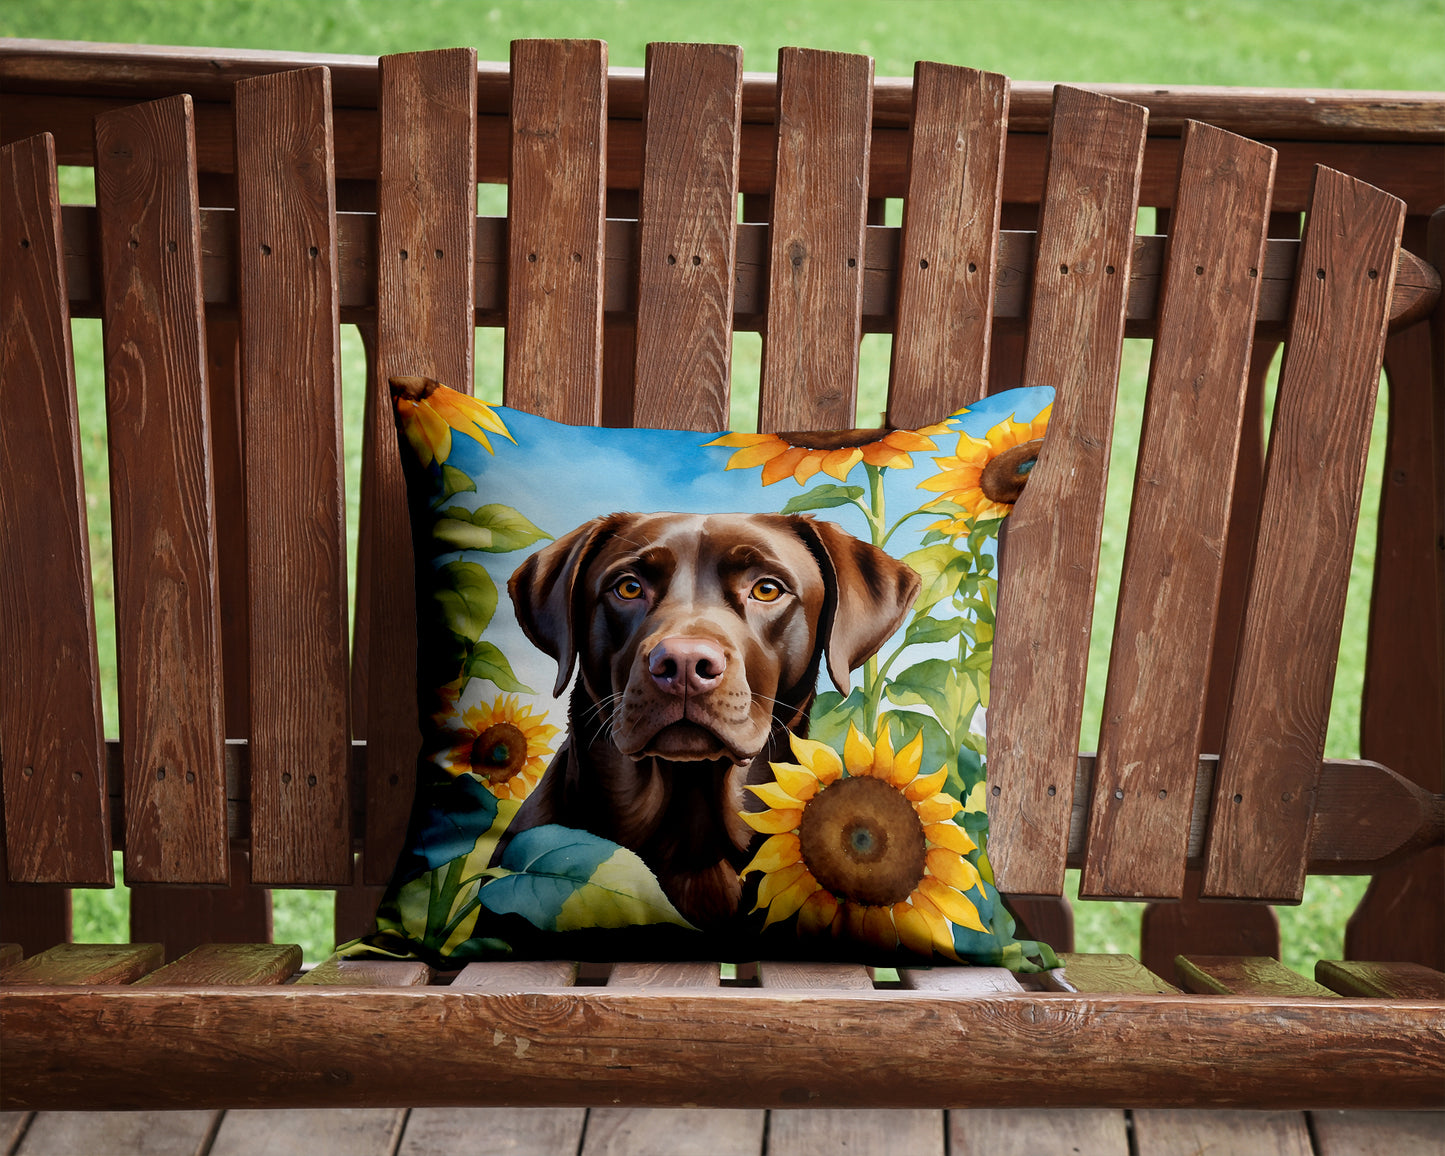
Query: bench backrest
x=241 y=693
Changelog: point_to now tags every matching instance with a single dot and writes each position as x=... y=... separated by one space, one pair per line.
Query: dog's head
x=694 y=633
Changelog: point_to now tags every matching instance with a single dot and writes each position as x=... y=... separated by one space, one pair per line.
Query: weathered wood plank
x=521 y=975
x=515 y=1131
x=1050 y=558
x=34 y=915
x=1383 y=980
x=947 y=265
x=317 y=1132
x=555 y=207
x=300 y=820
x=368 y=973
x=664 y=975
x=85 y=963
x=168 y=634
x=120 y=1133
x=426 y=250
x=1342 y=1133
x=687 y=236
x=228 y=963
x=589 y=1046
x=916 y=1131
x=1275 y=733
x=674 y=1132
x=1242 y=975
x=183 y=918
x=12 y=1127
x=959 y=980
x=57 y=823
x=1154 y=701
x=785 y=975
x=1096 y=972
x=1030 y=1131
x=1172 y=1131
x=10 y=953
x=816 y=260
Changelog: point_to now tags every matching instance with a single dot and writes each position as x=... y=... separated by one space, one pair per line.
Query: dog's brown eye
x=767 y=590
x=628 y=588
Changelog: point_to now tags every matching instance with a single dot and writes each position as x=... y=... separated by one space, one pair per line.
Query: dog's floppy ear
x=870 y=594
x=542 y=590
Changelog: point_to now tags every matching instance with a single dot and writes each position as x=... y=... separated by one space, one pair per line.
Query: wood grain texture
x=664 y=975
x=803 y=1133
x=521 y=975
x=368 y=973
x=1384 y=980
x=300 y=741
x=1030 y=1131
x=1095 y=972
x=687 y=236
x=1275 y=732
x=57 y=823
x=183 y=917
x=515 y=1131
x=13 y=1126
x=959 y=980
x=555 y=206
x=34 y=915
x=1242 y=975
x=1191 y=925
x=168 y=634
x=228 y=963
x=1153 y=714
x=120 y=1133
x=674 y=1132
x=296 y=1046
x=327 y=1132
x=947 y=267
x=10 y=953
x=1169 y=1132
x=425 y=223
x=816 y=242
x=786 y=975
x=85 y=963
x=1050 y=555
x=1378 y=1133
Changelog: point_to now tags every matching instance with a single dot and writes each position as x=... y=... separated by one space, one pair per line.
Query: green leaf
x=832 y=713
x=486 y=661
x=468 y=606
x=454 y=481
x=923 y=629
x=925 y=683
x=494 y=528
x=937 y=749
x=823 y=497
x=939 y=567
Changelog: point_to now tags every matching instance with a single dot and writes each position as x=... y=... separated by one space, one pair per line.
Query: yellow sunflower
x=504 y=744
x=430 y=411
x=987 y=475
x=801 y=455
x=864 y=844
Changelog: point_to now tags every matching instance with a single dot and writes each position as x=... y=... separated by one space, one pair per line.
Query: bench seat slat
x=947 y=264
x=228 y=963
x=1154 y=702
x=57 y=825
x=1275 y=732
x=168 y=642
x=1096 y=972
x=1051 y=548
x=816 y=259
x=336 y=972
x=785 y=975
x=76 y=964
x=1384 y=980
x=1243 y=975
x=300 y=701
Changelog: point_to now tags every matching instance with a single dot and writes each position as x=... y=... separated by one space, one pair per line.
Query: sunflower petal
x=914 y=930
x=857 y=752
x=941 y=929
x=800 y=782
x=883 y=752
x=906 y=764
x=809 y=466
x=736 y=440
x=780 y=467
x=777 y=852
x=772 y=822
x=955 y=907
x=756 y=455
x=839 y=463
x=878 y=927
x=952 y=868
x=950 y=836
x=818 y=757
x=923 y=786
x=937 y=809
x=776 y=882
x=884 y=456
x=774 y=796
x=818 y=912
x=790 y=900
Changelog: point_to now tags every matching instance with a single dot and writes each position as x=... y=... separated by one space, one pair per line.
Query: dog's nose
x=682 y=665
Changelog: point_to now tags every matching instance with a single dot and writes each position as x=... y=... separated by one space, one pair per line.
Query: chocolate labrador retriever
x=698 y=640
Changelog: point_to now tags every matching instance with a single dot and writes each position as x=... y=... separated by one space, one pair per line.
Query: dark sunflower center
x=1004 y=478
x=499 y=752
x=846 y=439
x=863 y=841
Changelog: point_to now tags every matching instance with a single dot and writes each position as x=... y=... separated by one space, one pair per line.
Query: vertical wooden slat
x=182 y=918
x=1153 y=715
x=687 y=236
x=57 y=822
x=1275 y=734
x=815 y=263
x=1051 y=556
x=286 y=229
x=168 y=634
x=555 y=207
x=34 y=915
x=426 y=222
x=946 y=269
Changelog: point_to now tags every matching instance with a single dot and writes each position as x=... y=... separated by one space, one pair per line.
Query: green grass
x=1330 y=43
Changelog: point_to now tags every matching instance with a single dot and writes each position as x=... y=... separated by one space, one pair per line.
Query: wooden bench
x=247 y=204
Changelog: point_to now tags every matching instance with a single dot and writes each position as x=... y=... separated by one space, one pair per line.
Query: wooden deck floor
x=700 y=1132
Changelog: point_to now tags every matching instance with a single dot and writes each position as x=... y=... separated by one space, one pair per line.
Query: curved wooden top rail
x=136 y=71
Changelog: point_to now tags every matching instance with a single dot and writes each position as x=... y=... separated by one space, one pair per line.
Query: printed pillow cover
x=692 y=696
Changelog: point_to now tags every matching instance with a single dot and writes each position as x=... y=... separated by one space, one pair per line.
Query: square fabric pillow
x=692 y=696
